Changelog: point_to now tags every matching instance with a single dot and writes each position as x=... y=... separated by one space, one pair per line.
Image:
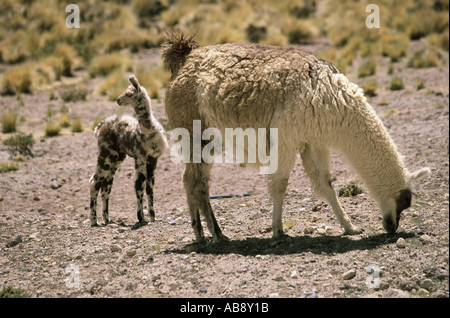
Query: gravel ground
x=58 y=254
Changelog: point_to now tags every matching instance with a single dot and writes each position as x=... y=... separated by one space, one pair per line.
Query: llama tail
x=176 y=48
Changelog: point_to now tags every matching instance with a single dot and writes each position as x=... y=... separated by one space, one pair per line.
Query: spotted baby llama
x=314 y=107
x=142 y=139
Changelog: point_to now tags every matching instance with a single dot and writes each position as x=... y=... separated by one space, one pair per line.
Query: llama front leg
x=316 y=163
x=195 y=180
x=141 y=178
x=277 y=185
x=151 y=166
x=94 y=188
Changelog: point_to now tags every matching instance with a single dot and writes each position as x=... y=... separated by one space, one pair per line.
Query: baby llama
x=314 y=107
x=142 y=139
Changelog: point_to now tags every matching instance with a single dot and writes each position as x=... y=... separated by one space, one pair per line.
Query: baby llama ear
x=417 y=176
x=133 y=81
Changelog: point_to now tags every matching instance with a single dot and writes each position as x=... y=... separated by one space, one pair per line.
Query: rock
x=54 y=185
x=427 y=284
x=14 y=241
x=407 y=285
x=425 y=239
x=274 y=295
x=115 y=248
x=123 y=229
x=131 y=252
x=203 y=289
x=349 y=274
x=395 y=293
x=401 y=243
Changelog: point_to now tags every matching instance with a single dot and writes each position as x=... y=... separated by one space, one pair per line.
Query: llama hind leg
x=316 y=162
x=151 y=166
x=195 y=180
x=106 y=190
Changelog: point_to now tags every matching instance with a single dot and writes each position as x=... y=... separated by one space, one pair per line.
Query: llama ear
x=418 y=175
x=133 y=81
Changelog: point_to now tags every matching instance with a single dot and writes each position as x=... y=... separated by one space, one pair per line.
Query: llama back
x=248 y=85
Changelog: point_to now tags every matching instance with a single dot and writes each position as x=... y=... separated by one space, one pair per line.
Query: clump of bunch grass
x=64 y=121
x=8 y=166
x=370 y=88
x=367 y=68
x=105 y=64
x=427 y=58
x=17 y=80
x=10 y=292
x=20 y=144
x=350 y=190
x=9 y=121
x=73 y=93
x=396 y=84
x=77 y=126
x=52 y=130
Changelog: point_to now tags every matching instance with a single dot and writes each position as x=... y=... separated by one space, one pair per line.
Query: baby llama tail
x=176 y=48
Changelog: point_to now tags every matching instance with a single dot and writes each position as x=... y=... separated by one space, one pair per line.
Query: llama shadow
x=293 y=245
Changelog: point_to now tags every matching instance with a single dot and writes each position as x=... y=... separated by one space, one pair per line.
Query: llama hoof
x=95 y=224
x=139 y=224
x=221 y=238
x=201 y=240
x=353 y=231
x=152 y=219
x=279 y=235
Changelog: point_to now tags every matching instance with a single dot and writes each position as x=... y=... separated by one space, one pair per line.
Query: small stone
x=14 y=241
x=395 y=293
x=115 y=248
x=131 y=252
x=54 y=185
x=401 y=243
x=425 y=238
x=349 y=274
x=123 y=229
x=203 y=289
x=150 y=259
x=427 y=284
x=274 y=295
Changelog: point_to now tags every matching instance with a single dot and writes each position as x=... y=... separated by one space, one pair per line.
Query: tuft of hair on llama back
x=176 y=47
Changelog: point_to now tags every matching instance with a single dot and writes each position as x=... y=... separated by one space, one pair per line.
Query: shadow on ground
x=293 y=245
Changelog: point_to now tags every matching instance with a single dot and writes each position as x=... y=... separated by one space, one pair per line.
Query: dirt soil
x=46 y=202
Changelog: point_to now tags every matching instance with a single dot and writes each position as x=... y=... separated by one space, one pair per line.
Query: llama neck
x=144 y=115
x=374 y=155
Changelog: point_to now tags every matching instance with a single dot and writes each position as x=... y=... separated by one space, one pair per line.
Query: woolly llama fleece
x=314 y=107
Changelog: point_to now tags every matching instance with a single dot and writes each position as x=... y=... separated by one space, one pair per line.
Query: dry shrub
x=153 y=79
x=367 y=68
x=113 y=85
x=18 y=79
x=9 y=121
x=74 y=92
x=77 y=126
x=68 y=55
x=52 y=130
x=104 y=64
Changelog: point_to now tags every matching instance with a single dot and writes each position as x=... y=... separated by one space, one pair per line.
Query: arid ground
x=46 y=202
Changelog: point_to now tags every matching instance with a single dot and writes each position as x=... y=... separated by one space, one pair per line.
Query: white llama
x=142 y=139
x=314 y=108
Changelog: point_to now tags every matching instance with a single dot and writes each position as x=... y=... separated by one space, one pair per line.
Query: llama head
x=393 y=207
x=134 y=96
